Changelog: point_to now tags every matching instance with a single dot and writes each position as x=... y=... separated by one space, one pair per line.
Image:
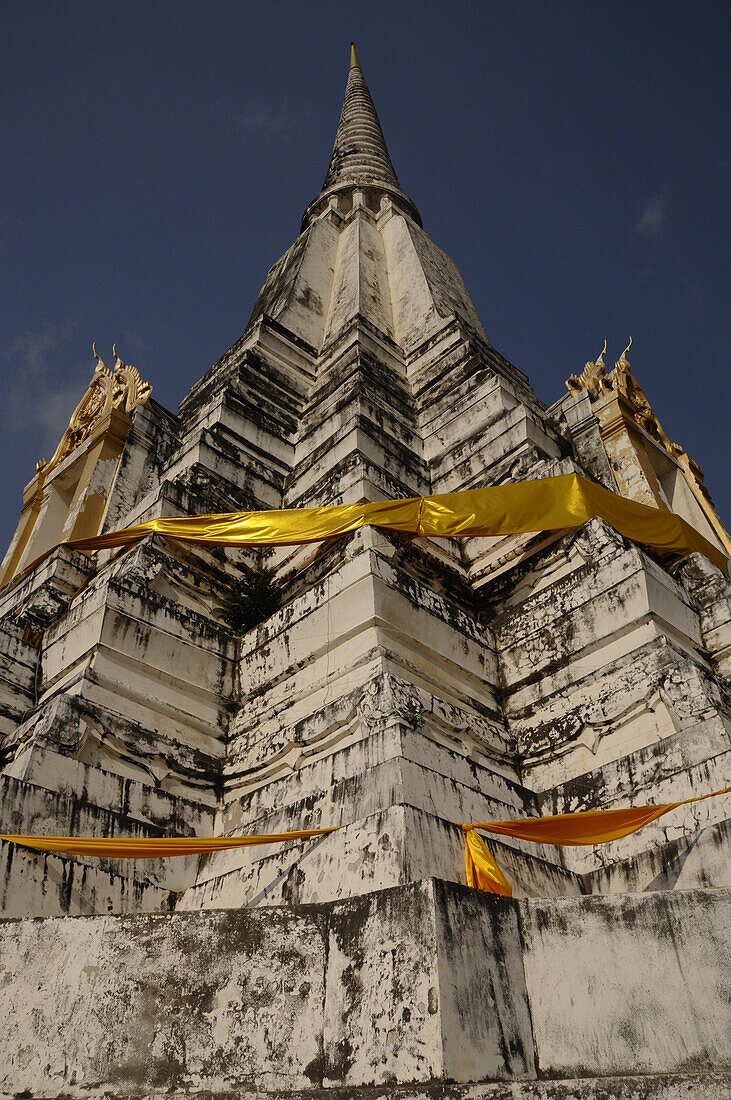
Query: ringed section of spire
x=362 y=252
x=360 y=159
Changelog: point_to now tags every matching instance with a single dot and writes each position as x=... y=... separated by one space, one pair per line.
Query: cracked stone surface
x=402 y=687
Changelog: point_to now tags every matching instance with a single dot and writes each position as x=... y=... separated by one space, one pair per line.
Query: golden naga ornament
x=121 y=389
x=592 y=379
x=129 y=389
x=625 y=383
x=595 y=381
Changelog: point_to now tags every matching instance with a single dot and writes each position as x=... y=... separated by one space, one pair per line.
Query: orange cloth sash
x=582 y=827
x=483 y=872
x=113 y=847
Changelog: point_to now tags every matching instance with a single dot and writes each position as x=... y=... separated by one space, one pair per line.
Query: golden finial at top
x=100 y=361
x=354 y=62
x=623 y=356
x=602 y=353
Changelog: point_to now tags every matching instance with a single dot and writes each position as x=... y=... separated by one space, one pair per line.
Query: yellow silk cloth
x=483 y=872
x=550 y=504
x=114 y=847
x=582 y=827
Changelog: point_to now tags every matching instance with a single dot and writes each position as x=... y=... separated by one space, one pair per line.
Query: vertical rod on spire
x=354 y=62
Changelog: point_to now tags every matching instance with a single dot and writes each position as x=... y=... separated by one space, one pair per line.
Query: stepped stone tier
x=396 y=687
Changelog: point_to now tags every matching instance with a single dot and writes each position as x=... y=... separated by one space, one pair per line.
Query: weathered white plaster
x=430 y=983
x=401 y=687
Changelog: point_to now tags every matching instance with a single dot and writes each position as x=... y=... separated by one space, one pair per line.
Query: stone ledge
x=663 y=1087
x=712 y=1086
x=424 y=985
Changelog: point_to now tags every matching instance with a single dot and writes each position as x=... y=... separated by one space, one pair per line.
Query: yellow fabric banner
x=582 y=827
x=550 y=504
x=483 y=872
x=113 y=847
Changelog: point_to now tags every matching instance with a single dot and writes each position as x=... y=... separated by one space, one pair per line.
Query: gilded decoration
x=121 y=388
x=595 y=381
x=626 y=384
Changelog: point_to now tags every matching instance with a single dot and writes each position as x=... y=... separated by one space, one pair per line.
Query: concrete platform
x=442 y=990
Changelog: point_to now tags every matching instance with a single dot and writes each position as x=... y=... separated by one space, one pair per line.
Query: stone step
x=382 y=849
x=144 y=801
x=37 y=884
x=465 y=786
x=711 y=1086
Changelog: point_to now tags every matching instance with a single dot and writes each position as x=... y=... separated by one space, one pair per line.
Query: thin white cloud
x=42 y=389
x=693 y=298
x=133 y=344
x=653 y=218
x=260 y=118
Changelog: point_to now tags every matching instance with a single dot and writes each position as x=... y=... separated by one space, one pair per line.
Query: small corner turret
x=645 y=463
x=67 y=496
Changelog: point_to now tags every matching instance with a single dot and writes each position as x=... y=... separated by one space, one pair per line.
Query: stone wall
x=426 y=983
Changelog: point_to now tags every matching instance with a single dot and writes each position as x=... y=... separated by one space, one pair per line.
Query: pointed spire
x=360 y=156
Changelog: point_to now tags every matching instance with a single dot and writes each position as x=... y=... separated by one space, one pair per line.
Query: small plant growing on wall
x=253 y=598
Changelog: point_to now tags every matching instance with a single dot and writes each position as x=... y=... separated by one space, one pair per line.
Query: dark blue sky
x=571 y=158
